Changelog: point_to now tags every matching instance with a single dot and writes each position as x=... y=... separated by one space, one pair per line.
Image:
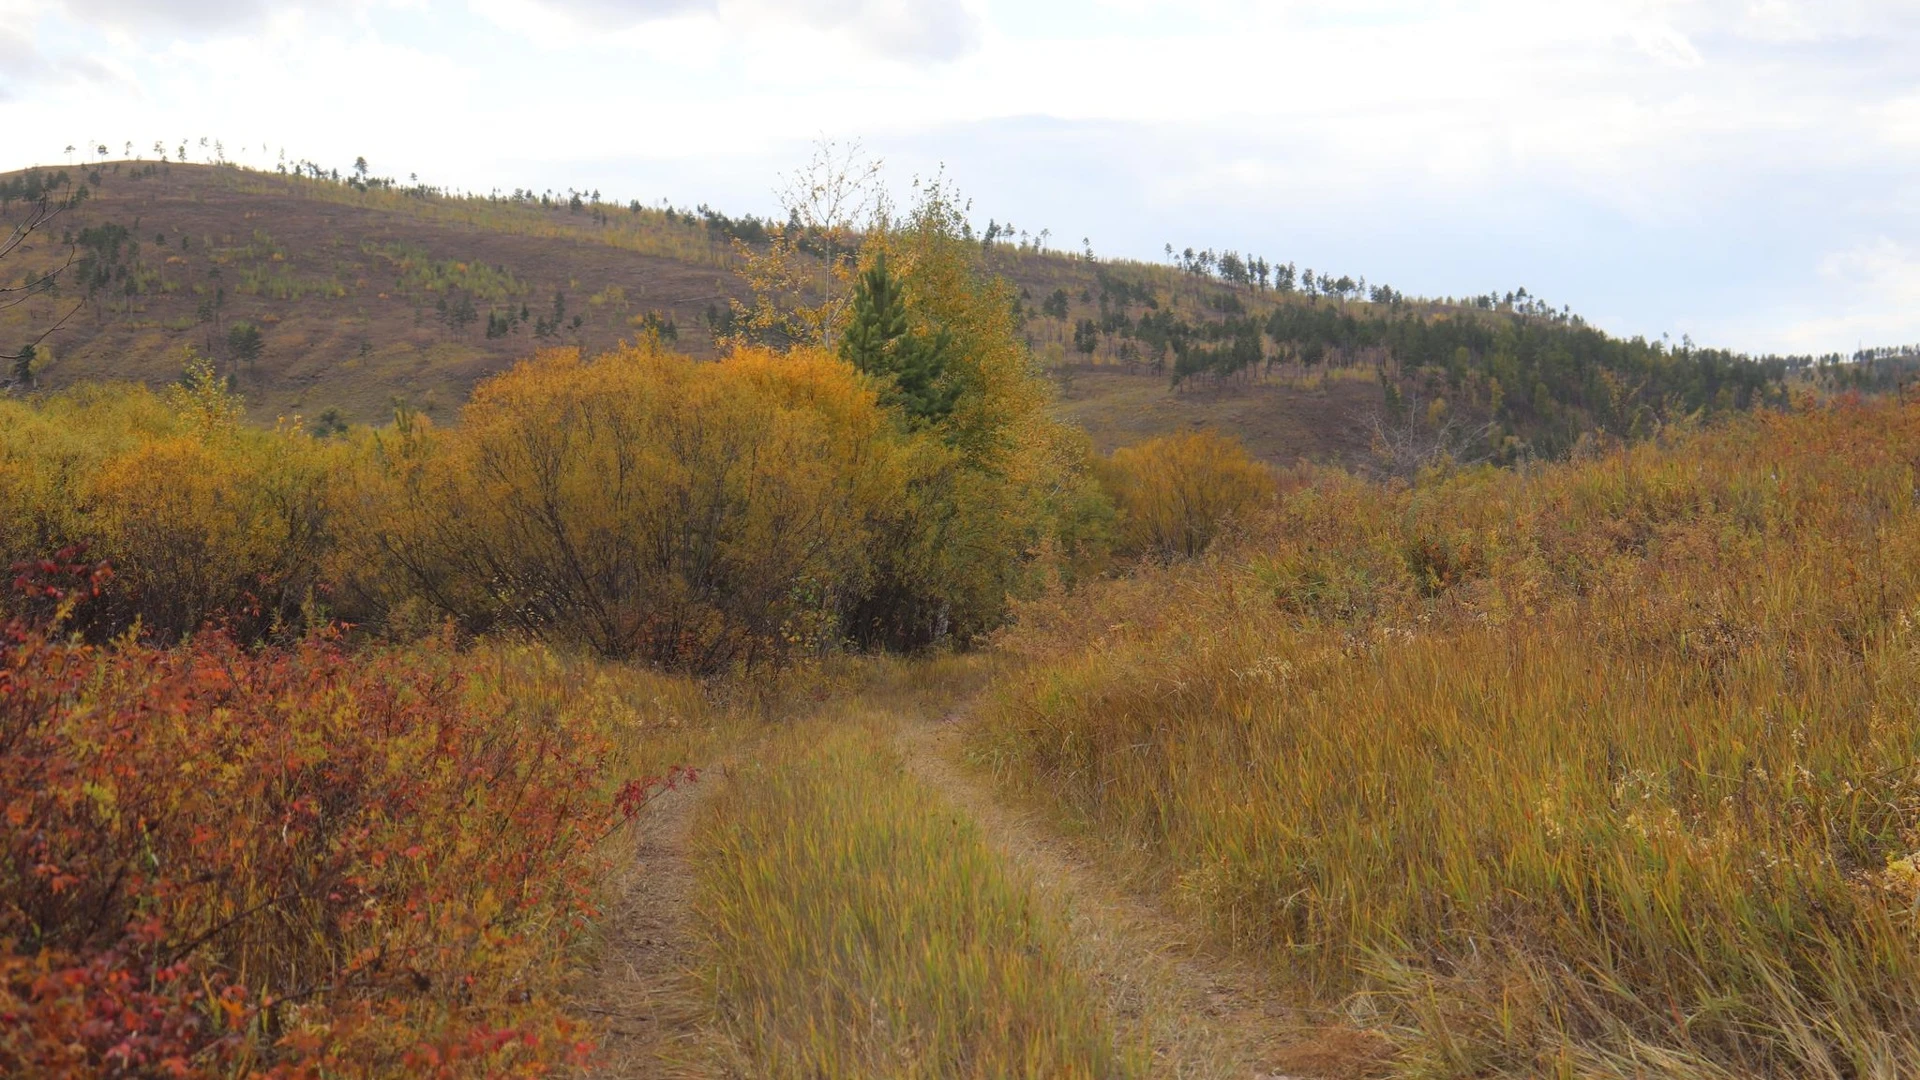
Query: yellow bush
x=641 y=504
x=202 y=518
x=198 y=531
x=1175 y=493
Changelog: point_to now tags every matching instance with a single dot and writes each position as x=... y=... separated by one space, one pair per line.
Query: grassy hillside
x=336 y=299
x=362 y=297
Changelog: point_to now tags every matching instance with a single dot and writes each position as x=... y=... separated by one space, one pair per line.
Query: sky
x=1744 y=172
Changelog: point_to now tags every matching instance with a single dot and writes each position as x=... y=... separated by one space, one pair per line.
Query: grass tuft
x=859 y=928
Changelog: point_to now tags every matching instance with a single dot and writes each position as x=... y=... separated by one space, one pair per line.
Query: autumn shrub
x=640 y=504
x=1175 y=493
x=1000 y=496
x=204 y=519
x=1600 y=768
x=293 y=861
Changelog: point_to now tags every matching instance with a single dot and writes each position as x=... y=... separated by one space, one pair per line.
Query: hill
x=362 y=297
x=335 y=299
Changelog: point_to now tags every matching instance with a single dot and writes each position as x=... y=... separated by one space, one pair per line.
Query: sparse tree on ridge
x=826 y=203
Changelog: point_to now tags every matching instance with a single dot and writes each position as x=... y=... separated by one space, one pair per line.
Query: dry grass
x=1280 y=419
x=337 y=281
x=1604 y=769
x=859 y=928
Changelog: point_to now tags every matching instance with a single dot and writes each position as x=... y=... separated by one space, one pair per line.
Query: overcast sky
x=1744 y=171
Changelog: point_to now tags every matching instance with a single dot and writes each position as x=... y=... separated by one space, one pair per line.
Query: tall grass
x=859 y=929
x=1603 y=768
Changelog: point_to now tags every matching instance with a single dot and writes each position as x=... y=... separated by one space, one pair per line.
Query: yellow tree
x=1002 y=496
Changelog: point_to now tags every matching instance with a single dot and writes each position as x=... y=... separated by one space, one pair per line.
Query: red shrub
x=285 y=861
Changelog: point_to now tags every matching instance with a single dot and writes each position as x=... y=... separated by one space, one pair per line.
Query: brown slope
x=320 y=268
x=350 y=333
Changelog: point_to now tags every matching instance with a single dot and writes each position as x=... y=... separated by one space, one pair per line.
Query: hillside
x=335 y=300
x=363 y=297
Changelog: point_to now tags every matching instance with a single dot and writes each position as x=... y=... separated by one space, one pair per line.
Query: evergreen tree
x=1086 y=336
x=244 y=342
x=879 y=343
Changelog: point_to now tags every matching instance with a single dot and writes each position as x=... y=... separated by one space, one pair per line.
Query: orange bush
x=1175 y=494
x=640 y=504
x=286 y=862
x=206 y=520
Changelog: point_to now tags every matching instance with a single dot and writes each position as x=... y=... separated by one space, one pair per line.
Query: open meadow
x=843 y=649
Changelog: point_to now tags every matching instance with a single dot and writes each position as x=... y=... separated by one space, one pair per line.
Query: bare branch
x=45 y=197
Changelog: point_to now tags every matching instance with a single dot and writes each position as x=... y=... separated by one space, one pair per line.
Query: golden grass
x=859 y=928
x=653 y=719
x=1609 y=768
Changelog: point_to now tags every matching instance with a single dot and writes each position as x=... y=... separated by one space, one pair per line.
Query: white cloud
x=24 y=63
x=31 y=69
x=905 y=30
x=1873 y=291
x=1686 y=163
x=180 y=14
x=620 y=14
x=1899 y=119
x=192 y=18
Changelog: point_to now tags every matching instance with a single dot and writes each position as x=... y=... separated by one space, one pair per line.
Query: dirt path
x=642 y=996
x=1206 y=1015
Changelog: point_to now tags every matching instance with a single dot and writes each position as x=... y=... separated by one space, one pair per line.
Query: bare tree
x=1407 y=438
x=29 y=206
x=828 y=202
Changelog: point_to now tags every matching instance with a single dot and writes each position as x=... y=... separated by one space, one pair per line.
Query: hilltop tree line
x=1536 y=379
x=1544 y=381
x=1879 y=370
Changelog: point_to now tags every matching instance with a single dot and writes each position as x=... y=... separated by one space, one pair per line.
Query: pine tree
x=244 y=342
x=878 y=343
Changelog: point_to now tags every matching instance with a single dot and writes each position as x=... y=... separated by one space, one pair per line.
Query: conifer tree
x=878 y=343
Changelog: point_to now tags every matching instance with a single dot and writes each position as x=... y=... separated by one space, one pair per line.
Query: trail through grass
x=1200 y=1011
x=1607 y=768
x=859 y=928
x=844 y=899
x=642 y=996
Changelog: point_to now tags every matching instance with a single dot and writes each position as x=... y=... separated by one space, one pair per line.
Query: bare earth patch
x=643 y=996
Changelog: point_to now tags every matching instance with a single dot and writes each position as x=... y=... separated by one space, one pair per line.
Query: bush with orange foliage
x=205 y=519
x=286 y=862
x=1176 y=493
x=639 y=504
